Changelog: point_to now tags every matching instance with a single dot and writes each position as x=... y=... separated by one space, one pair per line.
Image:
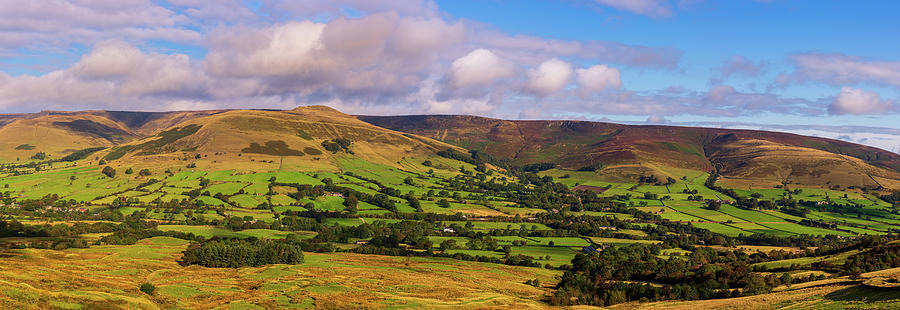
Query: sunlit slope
x=267 y=140
x=625 y=152
x=58 y=134
x=744 y=161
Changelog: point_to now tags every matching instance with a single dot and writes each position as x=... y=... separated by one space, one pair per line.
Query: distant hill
x=298 y=138
x=314 y=136
x=744 y=158
x=57 y=133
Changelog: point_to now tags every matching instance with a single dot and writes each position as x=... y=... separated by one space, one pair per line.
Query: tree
x=443 y=203
x=144 y=172
x=129 y=171
x=756 y=284
x=109 y=171
x=351 y=203
x=148 y=288
x=713 y=205
x=448 y=244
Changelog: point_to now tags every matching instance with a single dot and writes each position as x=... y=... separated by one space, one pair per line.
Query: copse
x=109 y=171
x=234 y=253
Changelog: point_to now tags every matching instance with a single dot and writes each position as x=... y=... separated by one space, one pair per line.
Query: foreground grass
x=109 y=276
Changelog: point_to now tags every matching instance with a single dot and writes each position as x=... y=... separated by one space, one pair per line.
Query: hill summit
x=744 y=158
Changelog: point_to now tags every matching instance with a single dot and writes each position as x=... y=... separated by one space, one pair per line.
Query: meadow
x=530 y=220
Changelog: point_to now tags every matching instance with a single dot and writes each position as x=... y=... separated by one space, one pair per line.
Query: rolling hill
x=302 y=138
x=58 y=133
x=745 y=158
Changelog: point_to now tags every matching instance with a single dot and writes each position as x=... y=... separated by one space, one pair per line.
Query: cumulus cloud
x=598 y=78
x=859 y=102
x=479 y=67
x=548 y=78
x=643 y=7
x=114 y=72
x=27 y=23
x=393 y=56
x=840 y=69
x=361 y=56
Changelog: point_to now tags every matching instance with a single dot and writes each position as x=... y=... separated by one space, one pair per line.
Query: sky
x=822 y=68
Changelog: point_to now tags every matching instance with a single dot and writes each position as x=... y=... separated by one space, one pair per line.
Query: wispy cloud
x=654 y=8
x=841 y=70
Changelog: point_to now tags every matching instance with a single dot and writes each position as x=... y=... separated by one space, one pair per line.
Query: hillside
x=139 y=219
x=302 y=138
x=58 y=133
x=745 y=158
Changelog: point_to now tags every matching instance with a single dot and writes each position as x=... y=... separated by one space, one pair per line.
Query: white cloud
x=859 y=102
x=275 y=51
x=656 y=119
x=402 y=55
x=35 y=23
x=548 y=78
x=113 y=74
x=479 y=67
x=598 y=78
x=840 y=70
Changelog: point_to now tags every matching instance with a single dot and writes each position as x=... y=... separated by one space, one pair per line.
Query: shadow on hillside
x=864 y=293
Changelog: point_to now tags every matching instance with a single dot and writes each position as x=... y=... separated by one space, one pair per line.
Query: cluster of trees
x=882 y=256
x=131 y=235
x=893 y=197
x=337 y=144
x=234 y=253
x=595 y=279
x=13 y=228
x=538 y=167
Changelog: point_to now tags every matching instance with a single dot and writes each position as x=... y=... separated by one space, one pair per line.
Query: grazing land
x=361 y=216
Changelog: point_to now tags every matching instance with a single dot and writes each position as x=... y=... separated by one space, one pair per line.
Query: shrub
x=148 y=288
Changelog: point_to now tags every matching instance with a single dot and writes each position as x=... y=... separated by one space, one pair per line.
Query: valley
x=426 y=211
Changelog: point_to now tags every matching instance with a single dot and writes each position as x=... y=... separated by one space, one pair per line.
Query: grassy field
x=110 y=275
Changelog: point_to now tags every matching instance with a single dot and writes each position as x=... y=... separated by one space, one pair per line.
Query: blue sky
x=711 y=32
x=831 y=66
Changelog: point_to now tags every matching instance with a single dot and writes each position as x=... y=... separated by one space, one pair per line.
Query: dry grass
x=798 y=299
x=109 y=276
